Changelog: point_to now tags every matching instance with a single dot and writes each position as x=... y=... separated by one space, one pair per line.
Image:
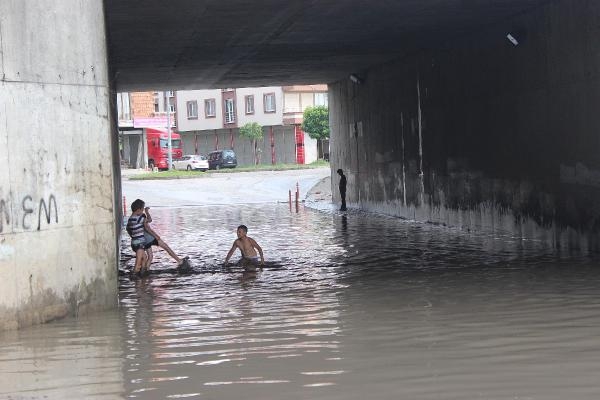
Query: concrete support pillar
x=58 y=252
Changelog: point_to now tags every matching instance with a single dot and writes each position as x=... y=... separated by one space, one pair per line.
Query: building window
x=171 y=106
x=156 y=105
x=192 y=109
x=249 y=104
x=321 y=99
x=171 y=93
x=209 y=108
x=229 y=111
x=269 y=102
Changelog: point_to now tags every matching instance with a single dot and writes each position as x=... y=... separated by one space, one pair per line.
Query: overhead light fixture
x=356 y=79
x=512 y=39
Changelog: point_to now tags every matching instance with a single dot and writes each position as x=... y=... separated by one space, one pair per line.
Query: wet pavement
x=349 y=306
x=229 y=188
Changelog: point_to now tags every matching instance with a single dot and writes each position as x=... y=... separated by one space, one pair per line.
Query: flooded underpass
x=349 y=306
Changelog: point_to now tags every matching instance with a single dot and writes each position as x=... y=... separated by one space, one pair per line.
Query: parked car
x=191 y=162
x=222 y=159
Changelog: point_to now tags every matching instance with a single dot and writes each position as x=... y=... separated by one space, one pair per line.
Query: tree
x=316 y=123
x=254 y=132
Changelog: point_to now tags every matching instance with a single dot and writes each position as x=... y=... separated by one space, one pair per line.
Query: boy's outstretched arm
x=231 y=252
x=257 y=247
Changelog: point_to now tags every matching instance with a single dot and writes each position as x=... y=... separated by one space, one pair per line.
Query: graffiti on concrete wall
x=29 y=214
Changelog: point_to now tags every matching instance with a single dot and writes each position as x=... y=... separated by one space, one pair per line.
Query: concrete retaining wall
x=482 y=134
x=57 y=219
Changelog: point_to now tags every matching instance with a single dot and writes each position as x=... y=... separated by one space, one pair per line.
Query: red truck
x=158 y=147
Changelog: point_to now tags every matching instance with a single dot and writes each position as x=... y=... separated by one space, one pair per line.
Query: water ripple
x=349 y=306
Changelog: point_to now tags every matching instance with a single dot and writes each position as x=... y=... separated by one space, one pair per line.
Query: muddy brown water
x=349 y=306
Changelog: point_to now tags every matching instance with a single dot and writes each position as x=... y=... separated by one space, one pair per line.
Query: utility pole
x=170 y=148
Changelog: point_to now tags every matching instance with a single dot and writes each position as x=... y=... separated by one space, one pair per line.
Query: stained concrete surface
x=57 y=231
x=481 y=134
x=186 y=44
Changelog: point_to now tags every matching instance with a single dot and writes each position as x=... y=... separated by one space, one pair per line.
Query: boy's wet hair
x=244 y=228
x=137 y=204
x=340 y=171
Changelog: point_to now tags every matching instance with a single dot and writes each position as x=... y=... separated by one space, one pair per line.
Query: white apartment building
x=210 y=119
x=201 y=110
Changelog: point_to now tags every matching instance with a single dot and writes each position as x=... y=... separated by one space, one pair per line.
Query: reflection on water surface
x=349 y=307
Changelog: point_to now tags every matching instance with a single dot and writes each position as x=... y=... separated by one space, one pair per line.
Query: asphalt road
x=224 y=188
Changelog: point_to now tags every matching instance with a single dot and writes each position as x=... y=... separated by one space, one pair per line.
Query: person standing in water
x=342 y=188
x=143 y=237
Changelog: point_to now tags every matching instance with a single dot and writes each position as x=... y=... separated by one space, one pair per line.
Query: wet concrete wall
x=480 y=133
x=58 y=251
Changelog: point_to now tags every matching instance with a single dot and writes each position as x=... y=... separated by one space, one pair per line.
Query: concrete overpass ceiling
x=186 y=44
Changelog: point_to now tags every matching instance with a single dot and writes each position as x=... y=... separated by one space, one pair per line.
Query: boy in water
x=141 y=217
x=247 y=247
x=135 y=229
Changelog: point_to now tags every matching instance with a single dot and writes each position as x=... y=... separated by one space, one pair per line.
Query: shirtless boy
x=247 y=247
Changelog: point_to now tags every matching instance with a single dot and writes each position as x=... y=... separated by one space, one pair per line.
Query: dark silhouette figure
x=342 y=189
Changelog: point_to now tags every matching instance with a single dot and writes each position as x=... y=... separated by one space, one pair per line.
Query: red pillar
x=299 y=145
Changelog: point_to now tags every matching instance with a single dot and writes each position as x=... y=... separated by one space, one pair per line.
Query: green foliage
x=316 y=122
x=252 y=130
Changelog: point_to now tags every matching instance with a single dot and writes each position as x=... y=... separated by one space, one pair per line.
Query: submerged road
x=350 y=306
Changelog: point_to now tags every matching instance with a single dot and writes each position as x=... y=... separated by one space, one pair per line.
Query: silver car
x=191 y=162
